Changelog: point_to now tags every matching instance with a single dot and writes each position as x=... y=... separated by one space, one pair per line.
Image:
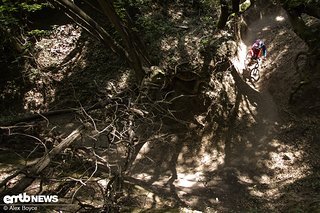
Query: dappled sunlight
x=211 y=160
x=35 y=101
x=169 y=43
x=247 y=111
x=187 y=180
x=175 y=15
x=239 y=60
x=144 y=150
x=284 y=162
x=225 y=146
x=280 y=18
x=52 y=51
x=266 y=28
x=122 y=82
x=143 y=176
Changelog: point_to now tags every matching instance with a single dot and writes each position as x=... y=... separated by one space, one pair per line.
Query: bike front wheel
x=254 y=74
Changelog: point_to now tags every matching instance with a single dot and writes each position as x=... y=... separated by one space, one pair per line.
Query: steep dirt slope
x=248 y=163
x=278 y=75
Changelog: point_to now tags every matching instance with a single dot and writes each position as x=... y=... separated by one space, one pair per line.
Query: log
x=42 y=163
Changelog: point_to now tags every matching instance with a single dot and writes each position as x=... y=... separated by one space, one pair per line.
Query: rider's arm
x=264 y=51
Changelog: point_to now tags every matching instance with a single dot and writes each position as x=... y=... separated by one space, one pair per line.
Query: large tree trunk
x=235 y=6
x=135 y=60
x=85 y=21
x=294 y=11
x=298 y=25
x=80 y=17
x=224 y=14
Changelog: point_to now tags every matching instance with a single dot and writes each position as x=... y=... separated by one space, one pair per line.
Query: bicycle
x=252 y=65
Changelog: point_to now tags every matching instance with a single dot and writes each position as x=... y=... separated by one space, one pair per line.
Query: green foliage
x=31 y=7
x=204 y=42
x=155 y=26
x=38 y=32
x=13 y=12
x=209 y=7
x=244 y=6
x=122 y=5
x=212 y=4
x=208 y=20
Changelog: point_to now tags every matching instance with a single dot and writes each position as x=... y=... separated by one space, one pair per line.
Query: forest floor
x=235 y=154
x=265 y=158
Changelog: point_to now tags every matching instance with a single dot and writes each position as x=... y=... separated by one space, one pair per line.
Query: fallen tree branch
x=42 y=163
x=244 y=88
x=33 y=117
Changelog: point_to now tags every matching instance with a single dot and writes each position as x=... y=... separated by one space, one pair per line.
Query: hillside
x=196 y=135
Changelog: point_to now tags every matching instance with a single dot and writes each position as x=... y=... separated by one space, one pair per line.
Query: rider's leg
x=259 y=61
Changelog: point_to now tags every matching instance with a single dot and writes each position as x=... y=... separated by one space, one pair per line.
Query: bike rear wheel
x=254 y=74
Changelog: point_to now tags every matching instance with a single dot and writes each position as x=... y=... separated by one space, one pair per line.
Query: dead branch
x=85 y=182
x=44 y=115
x=37 y=168
x=244 y=88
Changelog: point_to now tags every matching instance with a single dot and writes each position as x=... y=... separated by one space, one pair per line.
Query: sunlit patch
x=103 y=183
x=280 y=18
x=52 y=51
x=281 y=163
x=265 y=179
x=143 y=176
x=144 y=150
x=206 y=159
x=245 y=179
x=239 y=60
x=187 y=180
x=123 y=81
x=255 y=192
x=266 y=28
x=169 y=43
x=175 y=15
x=209 y=160
x=282 y=32
x=5 y=172
x=33 y=100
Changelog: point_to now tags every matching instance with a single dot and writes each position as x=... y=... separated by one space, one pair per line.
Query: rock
x=286 y=157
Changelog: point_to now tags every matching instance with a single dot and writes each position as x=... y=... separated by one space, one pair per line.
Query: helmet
x=258 y=44
x=255 y=46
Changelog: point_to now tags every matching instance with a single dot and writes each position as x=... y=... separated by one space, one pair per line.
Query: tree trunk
x=235 y=6
x=224 y=14
x=303 y=31
x=135 y=61
x=306 y=33
x=86 y=22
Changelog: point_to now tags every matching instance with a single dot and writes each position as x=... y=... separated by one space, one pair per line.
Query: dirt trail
x=245 y=165
x=278 y=75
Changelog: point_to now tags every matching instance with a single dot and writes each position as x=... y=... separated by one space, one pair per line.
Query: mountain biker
x=254 y=57
x=258 y=50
